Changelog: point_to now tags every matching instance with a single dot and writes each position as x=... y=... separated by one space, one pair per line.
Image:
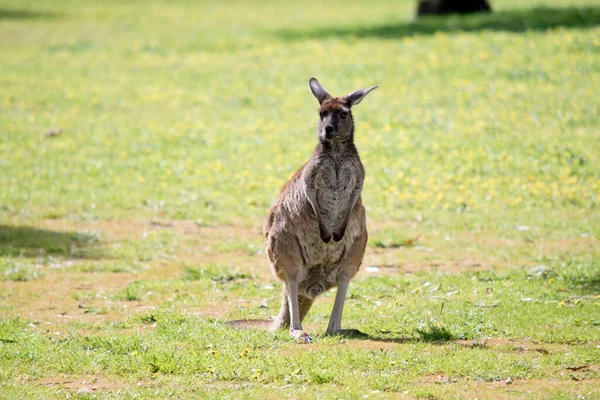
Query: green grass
x=168 y=122
x=408 y=337
x=127 y=240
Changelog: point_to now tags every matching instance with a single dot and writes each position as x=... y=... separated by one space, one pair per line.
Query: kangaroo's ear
x=356 y=97
x=318 y=90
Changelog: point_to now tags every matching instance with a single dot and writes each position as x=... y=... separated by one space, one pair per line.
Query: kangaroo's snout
x=329 y=131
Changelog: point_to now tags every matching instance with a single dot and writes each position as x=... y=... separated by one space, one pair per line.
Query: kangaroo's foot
x=300 y=336
x=348 y=333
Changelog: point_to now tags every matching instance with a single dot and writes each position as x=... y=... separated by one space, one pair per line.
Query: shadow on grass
x=31 y=242
x=430 y=334
x=386 y=339
x=537 y=19
x=586 y=282
x=6 y=14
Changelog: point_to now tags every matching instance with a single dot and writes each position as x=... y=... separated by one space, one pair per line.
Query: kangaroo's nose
x=329 y=129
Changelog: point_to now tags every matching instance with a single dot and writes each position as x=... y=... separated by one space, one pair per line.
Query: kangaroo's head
x=335 y=113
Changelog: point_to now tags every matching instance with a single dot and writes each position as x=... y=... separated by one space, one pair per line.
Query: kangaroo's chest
x=335 y=184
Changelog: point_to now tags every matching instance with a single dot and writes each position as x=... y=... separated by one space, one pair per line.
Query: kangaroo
x=316 y=232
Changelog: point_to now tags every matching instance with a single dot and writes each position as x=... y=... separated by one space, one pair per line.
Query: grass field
x=142 y=143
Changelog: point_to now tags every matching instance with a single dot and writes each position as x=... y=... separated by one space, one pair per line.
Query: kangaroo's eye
x=343 y=115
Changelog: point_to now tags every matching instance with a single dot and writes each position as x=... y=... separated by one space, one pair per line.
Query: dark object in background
x=441 y=7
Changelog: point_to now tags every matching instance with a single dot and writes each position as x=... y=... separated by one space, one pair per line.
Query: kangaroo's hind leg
x=295 y=325
x=351 y=264
x=304 y=303
x=282 y=321
x=286 y=262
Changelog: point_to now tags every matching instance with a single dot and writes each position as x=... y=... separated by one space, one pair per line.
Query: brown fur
x=315 y=232
x=333 y=103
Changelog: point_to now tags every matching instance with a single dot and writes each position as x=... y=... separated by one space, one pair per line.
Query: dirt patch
x=235 y=246
x=59 y=298
x=490 y=240
x=84 y=385
x=110 y=230
x=60 y=303
x=570 y=245
x=241 y=246
x=519 y=345
x=115 y=230
x=510 y=388
x=386 y=262
x=516 y=345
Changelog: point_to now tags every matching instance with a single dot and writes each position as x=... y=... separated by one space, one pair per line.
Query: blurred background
x=201 y=110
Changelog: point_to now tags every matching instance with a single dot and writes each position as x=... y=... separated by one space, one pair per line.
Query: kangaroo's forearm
x=340 y=230
x=324 y=231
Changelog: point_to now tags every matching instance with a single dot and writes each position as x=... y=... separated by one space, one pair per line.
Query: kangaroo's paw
x=301 y=336
x=348 y=333
x=325 y=236
x=339 y=233
x=337 y=236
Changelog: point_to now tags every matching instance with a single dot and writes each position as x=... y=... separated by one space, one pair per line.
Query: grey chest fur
x=335 y=184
